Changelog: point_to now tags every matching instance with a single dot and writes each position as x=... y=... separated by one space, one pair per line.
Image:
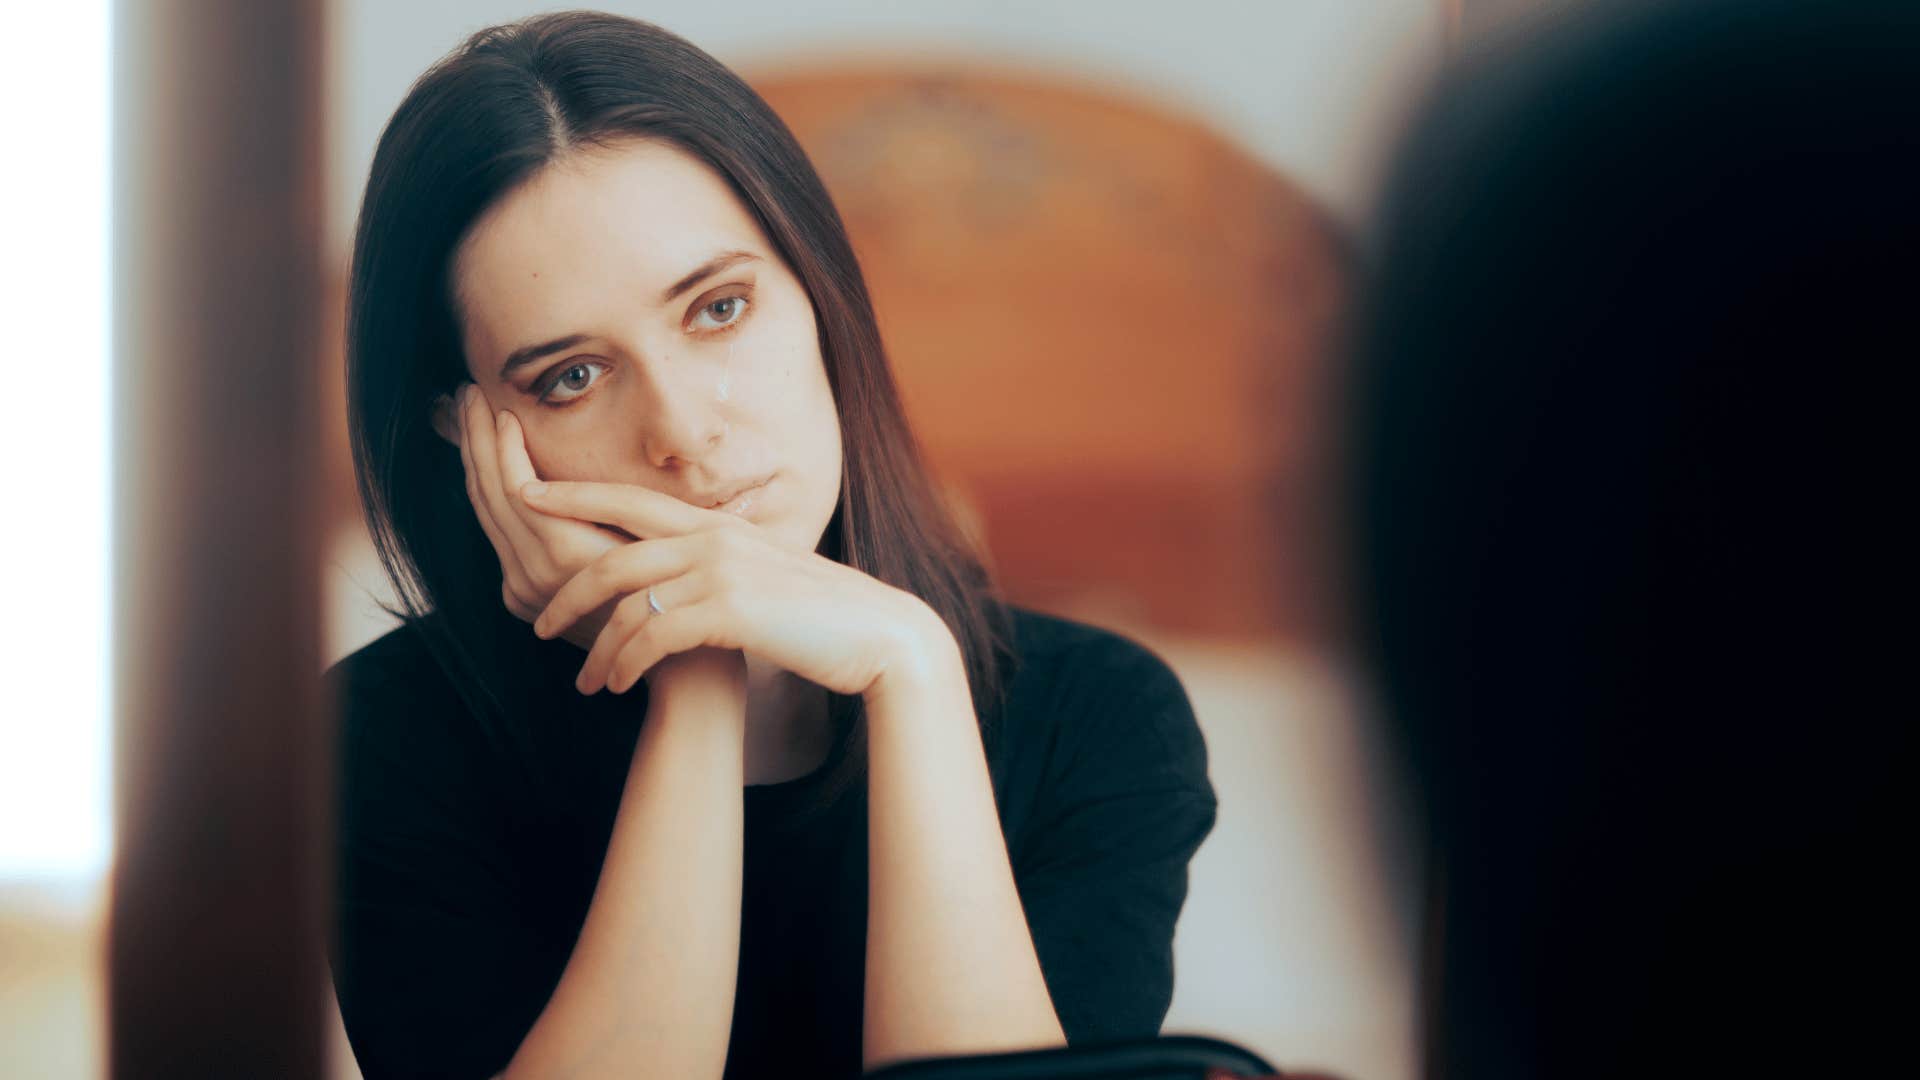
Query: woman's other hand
x=538 y=552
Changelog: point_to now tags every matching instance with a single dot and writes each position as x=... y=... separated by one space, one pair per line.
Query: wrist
x=922 y=656
x=702 y=679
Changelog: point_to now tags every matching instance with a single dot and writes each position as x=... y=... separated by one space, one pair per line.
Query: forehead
x=592 y=235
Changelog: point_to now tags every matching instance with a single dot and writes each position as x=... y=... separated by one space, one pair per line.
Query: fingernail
x=532 y=489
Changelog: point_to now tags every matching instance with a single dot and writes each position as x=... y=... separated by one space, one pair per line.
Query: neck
x=787 y=730
x=762 y=676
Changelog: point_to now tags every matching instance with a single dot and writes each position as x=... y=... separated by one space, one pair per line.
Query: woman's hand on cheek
x=538 y=553
x=720 y=582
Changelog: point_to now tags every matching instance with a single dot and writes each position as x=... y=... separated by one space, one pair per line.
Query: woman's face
x=627 y=309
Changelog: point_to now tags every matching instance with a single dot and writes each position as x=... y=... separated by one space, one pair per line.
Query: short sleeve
x=1102 y=872
x=436 y=971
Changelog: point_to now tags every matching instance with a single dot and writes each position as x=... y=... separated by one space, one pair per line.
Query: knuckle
x=728 y=600
x=636 y=657
x=630 y=613
x=601 y=572
x=623 y=561
x=713 y=579
x=571 y=554
x=512 y=598
x=539 y=581
x=622 y=665
x=730 y=542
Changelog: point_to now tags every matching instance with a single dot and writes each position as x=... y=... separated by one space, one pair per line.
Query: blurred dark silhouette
x=1626 y=501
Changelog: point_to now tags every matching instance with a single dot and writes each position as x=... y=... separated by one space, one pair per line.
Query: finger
x=521 y=610
x=633 y=615
x=565 y=544
x=628 y=616
x=679 y=630
x=516 y=471
x=511 y=570
x=626 y=569
x=483 y=426
x=643 y=512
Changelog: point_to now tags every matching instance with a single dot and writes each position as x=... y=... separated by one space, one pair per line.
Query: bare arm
x=950 y=962
x=648 y=991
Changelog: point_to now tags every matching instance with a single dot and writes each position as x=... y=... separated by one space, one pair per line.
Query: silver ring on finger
x=653 y=603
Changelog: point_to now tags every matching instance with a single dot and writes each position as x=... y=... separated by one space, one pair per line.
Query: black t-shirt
x=467 y=860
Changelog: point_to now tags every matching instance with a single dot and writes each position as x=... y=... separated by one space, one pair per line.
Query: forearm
x=649 y=988
x=950 y=962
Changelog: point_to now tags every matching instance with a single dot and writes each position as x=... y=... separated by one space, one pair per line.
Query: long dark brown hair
x=482 y=121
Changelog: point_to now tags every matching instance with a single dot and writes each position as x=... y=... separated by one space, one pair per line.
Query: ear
x=443 y=421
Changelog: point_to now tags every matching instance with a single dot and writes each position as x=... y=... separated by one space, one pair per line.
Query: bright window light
x=55 y=545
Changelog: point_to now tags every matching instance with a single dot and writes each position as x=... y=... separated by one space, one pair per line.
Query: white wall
x=1309 y=86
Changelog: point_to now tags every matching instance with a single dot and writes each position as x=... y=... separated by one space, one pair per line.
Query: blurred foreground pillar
x=219 y=762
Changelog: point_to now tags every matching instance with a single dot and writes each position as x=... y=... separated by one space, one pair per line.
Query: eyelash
x=544 y=386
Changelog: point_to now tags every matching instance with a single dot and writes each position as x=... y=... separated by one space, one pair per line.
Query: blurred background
x=1108 y=244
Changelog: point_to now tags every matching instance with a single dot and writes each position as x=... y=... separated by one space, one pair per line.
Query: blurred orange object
x=1107 y=324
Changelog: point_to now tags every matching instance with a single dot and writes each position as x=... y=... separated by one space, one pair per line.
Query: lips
x=739 y=498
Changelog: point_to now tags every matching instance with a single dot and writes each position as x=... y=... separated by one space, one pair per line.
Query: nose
x=683 y=424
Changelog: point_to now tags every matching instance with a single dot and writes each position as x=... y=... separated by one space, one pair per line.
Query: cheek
x=563 y=453
x=822 y=441
x=806 y=397
x=828 y=420
x=774 y=370
x=805 y=377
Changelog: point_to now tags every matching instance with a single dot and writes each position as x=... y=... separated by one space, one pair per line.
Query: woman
x=704 y=743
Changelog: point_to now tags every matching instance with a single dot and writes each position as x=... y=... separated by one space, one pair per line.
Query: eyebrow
x=706 y=270
x=527 y=354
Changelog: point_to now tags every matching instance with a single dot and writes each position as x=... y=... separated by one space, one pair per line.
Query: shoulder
x=391 y=695
x=396 y=658
x=1063 y=662
x=1081 y=697
x=414 y=763
x=1056 y=645
x=399 y=671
